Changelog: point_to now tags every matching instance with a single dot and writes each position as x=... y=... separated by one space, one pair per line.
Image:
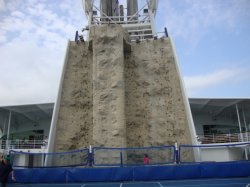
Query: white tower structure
x=138 y=20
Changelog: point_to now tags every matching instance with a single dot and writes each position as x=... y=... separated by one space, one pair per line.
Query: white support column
x=245 y=123
x=237 y=110
x=176 y=151
x=90 y=148
x=246 y=133
x=90 y=18
x=89 y=23
x=241 y=136
x=152 y=22
x=4 y=125
x=244 y=118
x=8 y=133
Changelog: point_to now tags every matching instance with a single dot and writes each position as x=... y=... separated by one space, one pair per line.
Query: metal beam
x=205 y=105
x=44 y=111
x=29 y=117
x=226 y=106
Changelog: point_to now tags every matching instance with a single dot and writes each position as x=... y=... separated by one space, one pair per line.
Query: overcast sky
x=212 y=40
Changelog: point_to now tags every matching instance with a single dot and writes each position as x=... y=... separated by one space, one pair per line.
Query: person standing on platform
x=5 y=171
x=146 y=159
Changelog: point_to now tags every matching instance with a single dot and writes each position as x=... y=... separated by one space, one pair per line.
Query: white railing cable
x=22 y=144
x=224 y=138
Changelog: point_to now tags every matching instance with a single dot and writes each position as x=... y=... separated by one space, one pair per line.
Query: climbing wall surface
x=109 y=127
x=121 y=94
x=155 y=111
x=74 y=124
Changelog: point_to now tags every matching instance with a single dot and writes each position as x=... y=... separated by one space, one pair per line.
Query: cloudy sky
x=212 y=40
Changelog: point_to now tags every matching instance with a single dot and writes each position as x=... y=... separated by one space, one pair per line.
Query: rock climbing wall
x=155 y=112
x=109 y=126
x=75 y=118
x=121 y=94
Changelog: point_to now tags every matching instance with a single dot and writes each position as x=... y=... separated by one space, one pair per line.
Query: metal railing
x=224 y=138
x=120 y=20
x=101 y=18
x=22 y=144
x=139 y=25
x=142 y=31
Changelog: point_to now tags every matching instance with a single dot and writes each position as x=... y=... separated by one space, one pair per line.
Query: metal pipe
x=121 y=17
x=109 y=7
x=132 y=8
x=104 y=15
x=132 y=16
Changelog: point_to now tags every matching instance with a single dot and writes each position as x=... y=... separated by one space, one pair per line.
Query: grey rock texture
x=75 y=118
x=108 y=87
x=155 y=112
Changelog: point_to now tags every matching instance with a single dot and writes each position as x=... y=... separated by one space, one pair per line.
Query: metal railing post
x=121 y=159
x=176 y=152
x=238 y=116
x=90 y=157
x=8 y=132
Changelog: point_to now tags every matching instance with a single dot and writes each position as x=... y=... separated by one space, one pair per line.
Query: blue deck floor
x=229 y=182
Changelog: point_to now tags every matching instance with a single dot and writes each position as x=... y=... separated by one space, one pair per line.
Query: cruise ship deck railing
x=119 y=157
x=203 y=139
x=23 y=144
x=225 y=152
x=224 y=138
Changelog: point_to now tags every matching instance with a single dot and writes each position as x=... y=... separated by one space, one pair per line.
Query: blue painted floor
x=229 y=182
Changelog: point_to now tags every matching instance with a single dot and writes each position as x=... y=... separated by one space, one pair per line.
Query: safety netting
x=56 y=159
x=215 y=152
x=104 y=156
